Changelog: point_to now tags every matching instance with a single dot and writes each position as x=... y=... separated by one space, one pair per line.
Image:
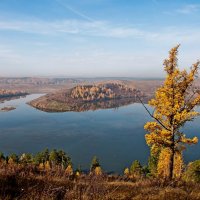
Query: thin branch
x=190 y=98
x=153 y=111
x=188 y=104
x=151 y=114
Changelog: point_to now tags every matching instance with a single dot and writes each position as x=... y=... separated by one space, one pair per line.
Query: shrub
x=136 y=169
x=192 y=172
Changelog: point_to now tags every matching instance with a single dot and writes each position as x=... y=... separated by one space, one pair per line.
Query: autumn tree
x=63 y=159
x=174 y=105
x=95 y=163
x=59 y=158
x=126 y=171
x=53 y=157
x=13 y=158
x=69 y=170
x=26 y=158
x=98 y=171
x=42 y=157
x=152 y=163
x=192 y=172
x=78 y=171
x=136 y=169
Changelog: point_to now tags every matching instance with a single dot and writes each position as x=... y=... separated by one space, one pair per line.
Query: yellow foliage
x=195 y=140
x=78 y=173
x=41 y=166
x=126 y=172
x=69 y=170
x=98 y=171
x=47 y=165
x=174 y=104
x=178 y=165
x=163 y=168
x=10 y=161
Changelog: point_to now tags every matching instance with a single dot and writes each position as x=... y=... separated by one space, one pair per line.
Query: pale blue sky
x=92 y=38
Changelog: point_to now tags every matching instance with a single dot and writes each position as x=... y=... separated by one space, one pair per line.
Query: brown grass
x=27 y=182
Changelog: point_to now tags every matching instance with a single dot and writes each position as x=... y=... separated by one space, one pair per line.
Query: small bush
x=192 y=172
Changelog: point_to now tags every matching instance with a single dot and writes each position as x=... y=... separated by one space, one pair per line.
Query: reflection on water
x=96 y=105
x=116 y=136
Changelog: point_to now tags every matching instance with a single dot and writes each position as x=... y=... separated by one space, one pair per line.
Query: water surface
x=116 y=136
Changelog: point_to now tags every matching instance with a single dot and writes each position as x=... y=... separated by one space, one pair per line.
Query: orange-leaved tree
x=173 y=104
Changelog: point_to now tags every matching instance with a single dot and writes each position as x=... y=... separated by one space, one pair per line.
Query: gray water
x=115 y=136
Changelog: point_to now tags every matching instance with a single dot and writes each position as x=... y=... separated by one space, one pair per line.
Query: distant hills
x=50 y=84
x=37 y=84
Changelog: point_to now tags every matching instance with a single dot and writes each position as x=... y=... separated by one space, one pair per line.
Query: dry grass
x=27 y=182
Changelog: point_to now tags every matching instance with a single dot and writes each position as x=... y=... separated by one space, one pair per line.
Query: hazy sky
x=96 y=37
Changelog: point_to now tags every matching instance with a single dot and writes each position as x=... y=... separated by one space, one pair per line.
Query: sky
x=96 y=38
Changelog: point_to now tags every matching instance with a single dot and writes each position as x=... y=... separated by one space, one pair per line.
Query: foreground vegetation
x=50 y=175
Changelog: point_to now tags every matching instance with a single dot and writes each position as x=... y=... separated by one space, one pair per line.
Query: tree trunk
x=171 y=164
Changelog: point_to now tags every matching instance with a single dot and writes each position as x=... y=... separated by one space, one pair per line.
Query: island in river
x=87 y=97
x=7 y=108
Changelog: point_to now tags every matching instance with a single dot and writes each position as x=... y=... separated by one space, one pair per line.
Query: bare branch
x=152 y=115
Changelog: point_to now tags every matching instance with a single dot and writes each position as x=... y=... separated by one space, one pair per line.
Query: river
x=115 y=136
